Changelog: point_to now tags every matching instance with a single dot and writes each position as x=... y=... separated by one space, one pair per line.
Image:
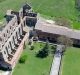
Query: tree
x=44 y=52
x=32 y=47
x=61 y=21
x=63 y=40
x=77 y=4
x=53 y=47
x=23 y=59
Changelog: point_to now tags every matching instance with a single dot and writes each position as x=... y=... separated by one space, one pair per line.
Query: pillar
x=15 y=38
x=25 y=22
x=9 y=48
x=21 y=31
x=5 y=56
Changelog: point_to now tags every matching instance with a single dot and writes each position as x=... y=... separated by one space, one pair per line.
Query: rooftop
x=51 y=27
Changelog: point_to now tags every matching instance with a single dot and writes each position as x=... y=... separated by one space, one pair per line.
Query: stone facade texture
x=13 y=35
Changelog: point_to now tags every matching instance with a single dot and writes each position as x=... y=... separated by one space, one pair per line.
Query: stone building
x=13 y=35
x=15 y=32
x=47 y=29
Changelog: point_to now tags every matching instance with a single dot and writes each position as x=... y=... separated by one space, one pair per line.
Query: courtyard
x=33 y=64
x=71 y=62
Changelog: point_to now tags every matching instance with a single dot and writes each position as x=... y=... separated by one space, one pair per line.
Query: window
x=7 y=31
x=19 y=30
x=4 y=52
x=8 y=46
x=24 y=23
x=0 y=39
x=10 y=27
x=4 y=35
x=48 y=38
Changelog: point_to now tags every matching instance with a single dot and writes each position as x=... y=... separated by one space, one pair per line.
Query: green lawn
x=58 y=8
x=34 y=65
x=50 y=8
x=71 y=62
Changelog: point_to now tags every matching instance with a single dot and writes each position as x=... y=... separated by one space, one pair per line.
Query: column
x=25 y=22
x=18 y=35
x=10 y=45
x=21 y=14
x=21 y=31
x=9 y=49
x=15 y=38
x=5 y=55
x=13 y=42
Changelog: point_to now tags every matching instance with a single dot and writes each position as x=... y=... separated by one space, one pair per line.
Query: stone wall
x=53 y=37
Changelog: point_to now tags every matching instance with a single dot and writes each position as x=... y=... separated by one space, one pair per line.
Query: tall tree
x=77 y=4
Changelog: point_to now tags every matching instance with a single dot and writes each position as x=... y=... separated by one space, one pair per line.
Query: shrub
x=42 y=54
x=53 y=49
x=23 y=59
x=32 y=48
x=29 y=43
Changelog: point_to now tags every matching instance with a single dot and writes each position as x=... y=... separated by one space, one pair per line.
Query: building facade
x=46 y=30
x=13 y=35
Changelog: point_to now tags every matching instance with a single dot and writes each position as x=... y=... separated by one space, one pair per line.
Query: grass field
x=50 y=8
x=71 y=62
x=34 y=65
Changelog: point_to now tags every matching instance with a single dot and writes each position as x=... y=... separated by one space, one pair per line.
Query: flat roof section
x=48 y=27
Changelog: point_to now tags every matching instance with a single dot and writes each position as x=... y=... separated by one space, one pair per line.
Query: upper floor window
x=4 y=52
x=0 y=39
x=4 y=35
x=10 y=27
x=7 y=31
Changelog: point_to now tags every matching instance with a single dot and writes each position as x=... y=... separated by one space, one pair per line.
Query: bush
x=32 y=48
x=53 y=49
x=23 y=59
x=42 y=54
x=29 y=43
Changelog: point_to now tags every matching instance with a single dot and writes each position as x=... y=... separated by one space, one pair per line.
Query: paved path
x=56 y=61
